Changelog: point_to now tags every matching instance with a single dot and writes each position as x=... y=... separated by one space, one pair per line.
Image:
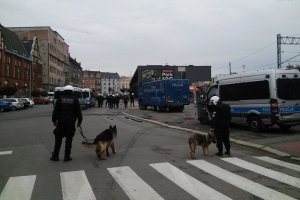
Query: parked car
x=25 y=102
x=17 y=103
x=41 y=100
x=31 y=103
x=5 y=106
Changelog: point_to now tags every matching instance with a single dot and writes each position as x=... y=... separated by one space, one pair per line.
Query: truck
x=258 y=99
x=164 y=95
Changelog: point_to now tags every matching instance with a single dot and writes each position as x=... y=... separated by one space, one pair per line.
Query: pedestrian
x=131 y=99
x=220 y=121
x=100 y=99
x=125 y=100
x=66 y=112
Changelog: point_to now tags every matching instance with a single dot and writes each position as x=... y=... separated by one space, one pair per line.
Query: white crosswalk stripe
x=264 y=171
x=5 y=153
x=18 y=188
x=240 y=182
x=75 y=186
x=188 y=183
x=133 y=185
x=279 y=162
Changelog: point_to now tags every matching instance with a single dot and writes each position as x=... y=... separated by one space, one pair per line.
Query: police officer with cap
x=220 y=121
x=66 y=112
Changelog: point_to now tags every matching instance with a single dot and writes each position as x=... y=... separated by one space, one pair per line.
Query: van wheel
x=255 y=123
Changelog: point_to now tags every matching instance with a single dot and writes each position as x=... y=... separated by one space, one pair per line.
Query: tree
x=8 y=90
x=35 y=93
x=293 y=67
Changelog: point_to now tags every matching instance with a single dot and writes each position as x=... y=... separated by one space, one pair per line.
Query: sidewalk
x=281 y=145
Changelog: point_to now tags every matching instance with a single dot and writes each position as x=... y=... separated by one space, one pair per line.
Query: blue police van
x=164 y=95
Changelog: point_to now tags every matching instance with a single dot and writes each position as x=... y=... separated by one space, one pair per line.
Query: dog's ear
x=110 y=127
x=115 y=126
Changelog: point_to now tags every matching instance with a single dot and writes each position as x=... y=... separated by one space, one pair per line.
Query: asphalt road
x=152 y=162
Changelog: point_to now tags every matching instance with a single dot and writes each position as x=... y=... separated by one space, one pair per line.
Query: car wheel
x=254 y=123
x=1 y=109
x=13 y=108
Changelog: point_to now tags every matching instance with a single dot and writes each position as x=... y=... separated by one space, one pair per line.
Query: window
x=288 y=89
x=245 y=91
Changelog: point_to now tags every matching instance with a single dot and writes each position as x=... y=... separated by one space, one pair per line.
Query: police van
x=260 y=98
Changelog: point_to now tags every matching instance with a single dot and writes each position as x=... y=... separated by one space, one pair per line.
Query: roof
x=12 y=43
x=109 y=75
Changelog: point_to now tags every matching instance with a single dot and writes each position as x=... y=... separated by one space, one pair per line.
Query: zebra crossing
x=75 y=184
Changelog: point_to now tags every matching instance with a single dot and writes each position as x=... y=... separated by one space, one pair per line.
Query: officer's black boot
x=57 y=145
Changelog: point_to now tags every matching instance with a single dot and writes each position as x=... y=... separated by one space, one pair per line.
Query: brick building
x=54 y=53
x=18 y=67
x=91 y=79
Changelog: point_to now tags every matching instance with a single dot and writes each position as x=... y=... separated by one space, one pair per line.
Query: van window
x=245 y=91
x=288 y=89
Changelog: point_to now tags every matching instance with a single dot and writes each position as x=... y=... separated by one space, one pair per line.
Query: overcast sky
x=119 y=35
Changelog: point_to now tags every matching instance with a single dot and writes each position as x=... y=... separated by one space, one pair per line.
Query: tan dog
x=201 y=140
x=103 y=141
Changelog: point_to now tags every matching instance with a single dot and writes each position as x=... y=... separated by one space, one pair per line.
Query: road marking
x=5 y=152
x=240 y=182
x=75 y=186
x=18 y=188
x=279 y=162
x=191 y=185
x=132 y=184
x=265 y=172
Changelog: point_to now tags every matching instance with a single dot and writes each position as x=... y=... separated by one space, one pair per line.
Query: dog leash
x=81 y=133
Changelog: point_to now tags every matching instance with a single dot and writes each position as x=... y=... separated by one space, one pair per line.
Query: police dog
x=103 y=141
x=201 y=140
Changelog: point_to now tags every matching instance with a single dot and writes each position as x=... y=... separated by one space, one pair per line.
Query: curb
x=240 y=142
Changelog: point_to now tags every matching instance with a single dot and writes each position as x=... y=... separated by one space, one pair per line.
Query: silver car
x=17 y=103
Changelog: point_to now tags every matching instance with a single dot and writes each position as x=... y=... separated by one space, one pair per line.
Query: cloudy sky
x=119 y=35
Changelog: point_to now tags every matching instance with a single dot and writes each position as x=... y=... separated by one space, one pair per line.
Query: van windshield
x=85 y=94
x=288 y=89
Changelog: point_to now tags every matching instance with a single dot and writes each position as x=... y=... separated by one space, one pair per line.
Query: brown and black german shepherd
x=103 y=141
x=201 y=140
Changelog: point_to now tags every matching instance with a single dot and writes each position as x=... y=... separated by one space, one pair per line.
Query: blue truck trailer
x=164 y=95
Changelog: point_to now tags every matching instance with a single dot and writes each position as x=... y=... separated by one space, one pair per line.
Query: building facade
x=110 y=83
x=18 y=67
x=91 y=79
x=125 y=83
x=54 y=53
x=73 y=73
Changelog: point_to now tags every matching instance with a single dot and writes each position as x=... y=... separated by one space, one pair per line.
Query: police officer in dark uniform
x=220 y=121
x=66 y=112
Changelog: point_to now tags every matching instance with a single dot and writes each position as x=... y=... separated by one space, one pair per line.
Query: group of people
x=67 y=111
x=113 y=101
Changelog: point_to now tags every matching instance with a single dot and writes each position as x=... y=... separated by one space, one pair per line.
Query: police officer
x=221 y=117
x=66 y=112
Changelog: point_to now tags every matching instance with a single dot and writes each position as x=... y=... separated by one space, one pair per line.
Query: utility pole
x=285 y=40
x=229 y=68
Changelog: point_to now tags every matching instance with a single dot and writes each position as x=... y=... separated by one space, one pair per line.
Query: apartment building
x=54 y=53
x=110 y=83
x=125 y=82
x=73 y=73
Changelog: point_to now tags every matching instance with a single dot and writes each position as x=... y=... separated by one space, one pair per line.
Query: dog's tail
x=88 y=145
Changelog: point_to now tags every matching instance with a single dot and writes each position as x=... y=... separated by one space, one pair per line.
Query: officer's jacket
x=67 y=110
x=222 y=117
